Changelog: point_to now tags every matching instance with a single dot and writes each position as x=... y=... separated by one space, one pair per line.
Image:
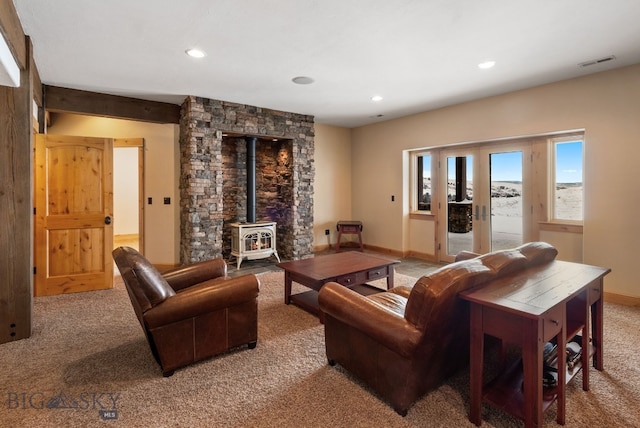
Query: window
x=567 y=179
x=422 y=184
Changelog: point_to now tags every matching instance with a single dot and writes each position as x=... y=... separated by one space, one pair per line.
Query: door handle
x=477 y=212
x=484 y=212
x=107 y=220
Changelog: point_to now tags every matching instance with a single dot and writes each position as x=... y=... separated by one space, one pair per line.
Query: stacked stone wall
x=213 y=176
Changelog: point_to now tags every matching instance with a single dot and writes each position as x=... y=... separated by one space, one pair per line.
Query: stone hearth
x=213 y=176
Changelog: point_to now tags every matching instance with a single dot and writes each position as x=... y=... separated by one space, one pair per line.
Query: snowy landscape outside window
x=423 y=182
x=568 y=183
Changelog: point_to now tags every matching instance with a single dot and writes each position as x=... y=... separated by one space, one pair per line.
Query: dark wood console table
x=557 y=300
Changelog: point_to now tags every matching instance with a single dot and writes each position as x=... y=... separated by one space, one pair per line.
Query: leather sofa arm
x=203 y=298
x=466 y=255
x=186 y=276
x=357 y=311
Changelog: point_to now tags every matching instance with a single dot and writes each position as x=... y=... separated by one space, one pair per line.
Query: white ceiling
x=417 y=54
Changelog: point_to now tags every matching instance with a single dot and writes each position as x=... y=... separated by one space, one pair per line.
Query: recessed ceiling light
x=302 y=80
x=486 y=64
x=376 y=98
x=195 y=53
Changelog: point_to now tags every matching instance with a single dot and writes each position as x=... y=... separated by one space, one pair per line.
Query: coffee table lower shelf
x=308 y=300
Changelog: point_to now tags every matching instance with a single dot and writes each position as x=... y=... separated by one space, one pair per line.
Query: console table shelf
x=505 y=392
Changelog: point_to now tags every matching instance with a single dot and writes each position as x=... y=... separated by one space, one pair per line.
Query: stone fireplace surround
x=213 y=176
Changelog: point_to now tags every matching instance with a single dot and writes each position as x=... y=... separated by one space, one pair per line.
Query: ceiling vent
x=597 y=61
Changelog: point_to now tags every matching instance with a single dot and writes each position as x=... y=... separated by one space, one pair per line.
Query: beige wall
x=569 y=245
x=161 y=157
x=357 y=171
x=332 y=196
x=125 y=190
x=606 y=105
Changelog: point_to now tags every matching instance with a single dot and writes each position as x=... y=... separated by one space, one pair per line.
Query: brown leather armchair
x=406 y=341
x=190 y=313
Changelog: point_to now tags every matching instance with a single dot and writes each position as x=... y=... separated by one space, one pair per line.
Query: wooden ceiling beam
x=57 y=99
x=35 y=76
x=12 y=31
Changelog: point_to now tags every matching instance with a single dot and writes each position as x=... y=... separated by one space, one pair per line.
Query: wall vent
x=597 y=61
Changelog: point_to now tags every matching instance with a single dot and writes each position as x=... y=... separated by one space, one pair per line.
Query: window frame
x=414 y=185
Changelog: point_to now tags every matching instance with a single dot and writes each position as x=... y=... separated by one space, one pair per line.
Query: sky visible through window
x=508 y=166
x=569 y=162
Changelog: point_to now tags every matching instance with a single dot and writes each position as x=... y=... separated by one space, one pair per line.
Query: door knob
x=107 y=220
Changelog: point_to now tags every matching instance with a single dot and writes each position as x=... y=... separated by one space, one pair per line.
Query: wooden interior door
x=73 y=216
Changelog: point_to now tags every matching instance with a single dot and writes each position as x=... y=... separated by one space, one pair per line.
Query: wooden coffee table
x=351 y=269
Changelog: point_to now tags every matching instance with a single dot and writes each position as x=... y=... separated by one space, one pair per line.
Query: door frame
x=139 y=143
x=481 y=232
x=528 y=185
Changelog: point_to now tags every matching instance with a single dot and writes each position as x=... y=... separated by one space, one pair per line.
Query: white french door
x=484 y=192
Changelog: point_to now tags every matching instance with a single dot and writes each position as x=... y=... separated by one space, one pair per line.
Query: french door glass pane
x=459 y=204
x=506 y=200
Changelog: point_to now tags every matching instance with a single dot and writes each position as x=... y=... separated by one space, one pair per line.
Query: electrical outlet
x=326 y=231
x=149 y=201
x=167 y=201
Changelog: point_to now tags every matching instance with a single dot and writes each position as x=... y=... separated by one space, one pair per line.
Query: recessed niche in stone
x=212 y=181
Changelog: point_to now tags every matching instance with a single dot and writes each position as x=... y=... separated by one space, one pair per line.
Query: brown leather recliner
x=190 y=313
x=406 y=341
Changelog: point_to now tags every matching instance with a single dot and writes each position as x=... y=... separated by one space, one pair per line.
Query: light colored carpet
x=88 y=349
